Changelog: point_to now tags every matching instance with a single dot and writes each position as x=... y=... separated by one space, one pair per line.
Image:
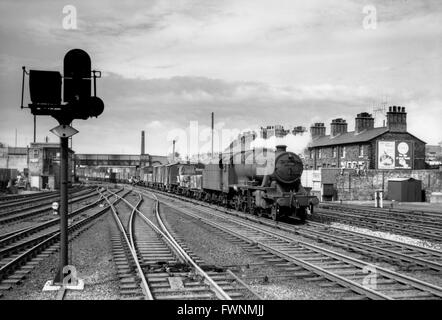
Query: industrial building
x=14 y=158
x=389 y=147
x=44 y=165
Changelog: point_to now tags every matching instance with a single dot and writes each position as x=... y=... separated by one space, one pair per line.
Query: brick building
x=44 y=165
x=14 y=158
x=367 y=147
x=279 y=131
x=433 y=154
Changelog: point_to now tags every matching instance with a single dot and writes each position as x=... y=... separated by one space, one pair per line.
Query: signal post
x=45 y=90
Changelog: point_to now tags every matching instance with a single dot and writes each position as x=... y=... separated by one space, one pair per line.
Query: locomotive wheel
x=237 y=203
x=253 y=210
x=274 y=214
x=302 y=214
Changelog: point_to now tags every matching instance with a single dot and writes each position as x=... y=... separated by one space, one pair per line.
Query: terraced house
x=389 y=147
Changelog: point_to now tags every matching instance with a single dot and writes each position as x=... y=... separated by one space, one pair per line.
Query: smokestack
x=212 y=131
x=142 y=142
x=243 y=149
x=173 y=152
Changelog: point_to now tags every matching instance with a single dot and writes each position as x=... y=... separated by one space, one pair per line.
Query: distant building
x=14 y=158
x=44 y=165
x=367 y=147
x=433 y=154
x=299 y=130
x=276 y=131
x=243 y=140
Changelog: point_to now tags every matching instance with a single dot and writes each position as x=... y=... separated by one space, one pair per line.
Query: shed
x=405 y=189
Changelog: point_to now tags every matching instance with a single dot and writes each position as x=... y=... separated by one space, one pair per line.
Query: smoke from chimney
x=295 y=143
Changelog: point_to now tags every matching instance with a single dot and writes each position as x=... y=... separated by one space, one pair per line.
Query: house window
x=319 y=153
x=35 y=153
x=335 y=152
x=361 y=151
x=343 y=152
x=311 y=154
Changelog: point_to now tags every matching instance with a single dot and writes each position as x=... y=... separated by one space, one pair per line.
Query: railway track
x=27 y=202
x=152 y=264
x=20 y=214
x=17 y=197
x=432 y=213
x=22 y=250
x=405 y=256
x=425 y=219
x=15 y=240
x=433 y=234
x=319 y=264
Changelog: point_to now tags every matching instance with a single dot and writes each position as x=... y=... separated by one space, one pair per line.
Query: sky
x=169 y=64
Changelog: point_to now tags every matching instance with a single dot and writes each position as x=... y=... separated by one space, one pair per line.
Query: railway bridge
x=118 y=160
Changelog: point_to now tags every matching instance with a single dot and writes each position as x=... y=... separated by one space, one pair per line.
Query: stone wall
x=351 y=185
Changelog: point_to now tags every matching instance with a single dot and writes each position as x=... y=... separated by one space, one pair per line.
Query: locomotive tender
x=262 y=182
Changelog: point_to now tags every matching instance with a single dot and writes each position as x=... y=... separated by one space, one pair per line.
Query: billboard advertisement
x=404 y=155
x=395 y=155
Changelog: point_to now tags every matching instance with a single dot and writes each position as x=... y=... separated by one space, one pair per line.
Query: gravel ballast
x=390 y=236
x=214 y=249
x=42 y=217
x=91 y=254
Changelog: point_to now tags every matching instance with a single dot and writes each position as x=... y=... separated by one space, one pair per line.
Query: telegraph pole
x=212 y=131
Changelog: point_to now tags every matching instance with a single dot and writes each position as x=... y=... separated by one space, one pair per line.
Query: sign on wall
x=404 y=155
x=395 y=154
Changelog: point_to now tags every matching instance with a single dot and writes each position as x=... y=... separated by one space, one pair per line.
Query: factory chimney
x=142 y=143
x=397 y=119
x=212 y=130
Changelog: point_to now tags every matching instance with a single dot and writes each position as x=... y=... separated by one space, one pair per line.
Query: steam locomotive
x=262 y=182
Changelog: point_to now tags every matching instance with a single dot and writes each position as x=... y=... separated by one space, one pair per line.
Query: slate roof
x=348 y=138
x=352 y=137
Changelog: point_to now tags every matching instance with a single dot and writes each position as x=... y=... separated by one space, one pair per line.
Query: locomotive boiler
x=262 y=182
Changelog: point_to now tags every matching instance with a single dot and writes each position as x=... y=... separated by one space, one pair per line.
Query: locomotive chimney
x=281 y=148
